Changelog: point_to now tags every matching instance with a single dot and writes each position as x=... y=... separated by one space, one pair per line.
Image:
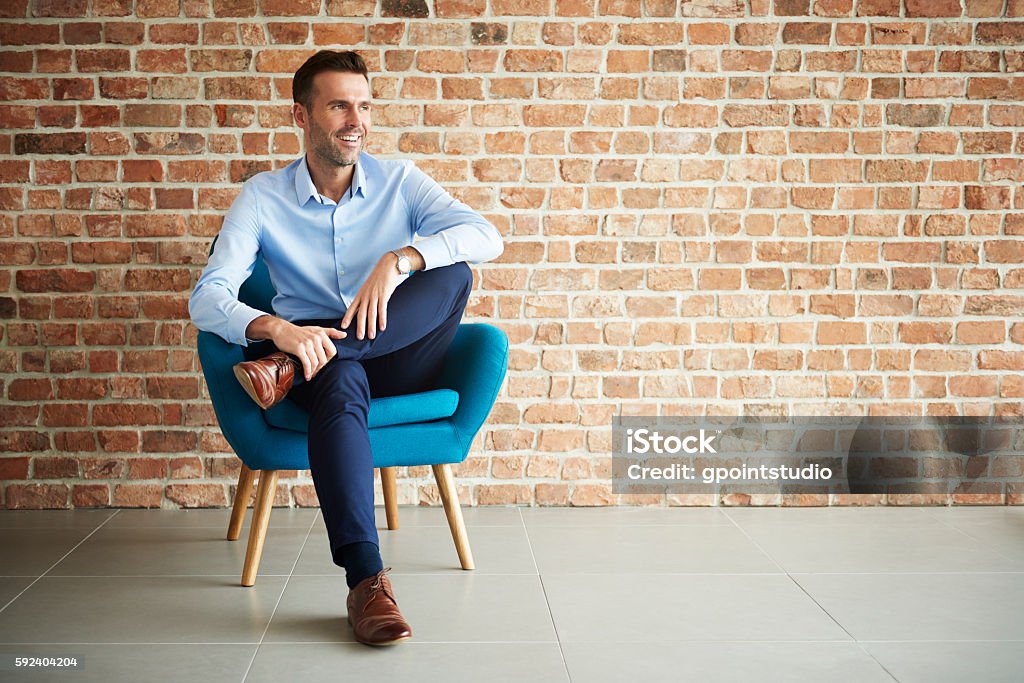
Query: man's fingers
x=352 y=312
x=329 y=348
x=346 y=320
x=371 y=318
x=321 y=354
x=314 y=360
x=336 y=334
x=361 y=322
x=305 y=363
x=382 y=313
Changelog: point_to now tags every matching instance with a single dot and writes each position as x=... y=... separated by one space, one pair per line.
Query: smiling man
x=336 y=230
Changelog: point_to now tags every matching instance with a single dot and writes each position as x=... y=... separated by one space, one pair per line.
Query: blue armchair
x=433 y=428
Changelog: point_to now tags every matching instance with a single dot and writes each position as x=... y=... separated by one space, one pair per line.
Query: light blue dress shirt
x=319 y=252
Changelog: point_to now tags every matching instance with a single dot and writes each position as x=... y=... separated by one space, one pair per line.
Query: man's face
x=339 y=108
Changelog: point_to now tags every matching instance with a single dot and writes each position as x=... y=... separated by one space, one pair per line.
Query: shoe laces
x=379 y=584
x=282 y=362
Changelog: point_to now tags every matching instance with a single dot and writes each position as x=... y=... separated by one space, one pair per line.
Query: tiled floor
x=583 y=595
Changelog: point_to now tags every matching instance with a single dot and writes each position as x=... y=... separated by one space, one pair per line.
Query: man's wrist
x=416 y=261
x=263 y=327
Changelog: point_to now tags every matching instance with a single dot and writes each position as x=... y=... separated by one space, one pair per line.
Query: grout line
x=61 y=559
x=811 y=597
x=547 y=602
x=987 y=542
x=453 y=572
x=280 y=597
x=9 y=645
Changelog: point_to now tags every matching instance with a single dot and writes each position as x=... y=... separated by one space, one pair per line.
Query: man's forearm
x=416 y=261
x=263 y=327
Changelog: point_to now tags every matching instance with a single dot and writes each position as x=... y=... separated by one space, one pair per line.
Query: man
x=336 y=229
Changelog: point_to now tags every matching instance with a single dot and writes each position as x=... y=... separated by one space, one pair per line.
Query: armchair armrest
x=240 y=419
x=475 y=367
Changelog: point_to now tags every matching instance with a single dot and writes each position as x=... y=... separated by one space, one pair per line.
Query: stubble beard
x=325 y=147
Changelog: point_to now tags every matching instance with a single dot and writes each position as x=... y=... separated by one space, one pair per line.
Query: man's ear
x=300 y=114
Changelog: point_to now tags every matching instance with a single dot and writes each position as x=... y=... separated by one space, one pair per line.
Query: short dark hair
x=325 y=60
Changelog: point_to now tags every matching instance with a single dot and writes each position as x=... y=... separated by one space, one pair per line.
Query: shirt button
x=341 y=272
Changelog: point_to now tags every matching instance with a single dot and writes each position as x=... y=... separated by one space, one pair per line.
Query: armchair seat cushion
x=426 y=406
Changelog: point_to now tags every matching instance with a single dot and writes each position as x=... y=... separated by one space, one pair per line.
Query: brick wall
x=708 y=206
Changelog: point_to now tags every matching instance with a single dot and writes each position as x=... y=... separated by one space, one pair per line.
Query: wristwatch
x=404 y=264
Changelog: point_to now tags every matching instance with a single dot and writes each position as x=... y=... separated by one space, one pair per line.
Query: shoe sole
x=246 y=382
x=381 y=644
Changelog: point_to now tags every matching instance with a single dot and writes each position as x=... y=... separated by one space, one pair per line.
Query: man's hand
x=370 y=306
x=311 y=344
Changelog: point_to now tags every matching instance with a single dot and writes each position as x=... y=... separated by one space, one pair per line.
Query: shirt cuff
x=239 y=322
x=435 y=252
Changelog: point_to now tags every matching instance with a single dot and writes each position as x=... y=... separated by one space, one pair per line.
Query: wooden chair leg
x=387 y=481
x=258 y=529
x=450 y=499
x=242 y=493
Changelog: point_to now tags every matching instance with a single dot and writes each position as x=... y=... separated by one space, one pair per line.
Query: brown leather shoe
x=268 y=379
x=373 y=612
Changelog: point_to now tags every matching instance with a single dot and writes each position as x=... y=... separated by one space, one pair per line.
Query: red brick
x=29 y=33
x=100 y=60
x=196 y=495
x=138 y=495
x=13 y=468
x=95 y=116
x=90 y=495
x=933 y=8
x=36 y=496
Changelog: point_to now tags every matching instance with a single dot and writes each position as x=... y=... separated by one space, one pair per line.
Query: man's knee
x=461 y=276
x=345 y=377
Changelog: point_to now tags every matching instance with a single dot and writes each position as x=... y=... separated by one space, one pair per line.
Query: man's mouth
x=350 y=140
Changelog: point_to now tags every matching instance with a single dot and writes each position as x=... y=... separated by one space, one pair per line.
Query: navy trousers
x=423 y=317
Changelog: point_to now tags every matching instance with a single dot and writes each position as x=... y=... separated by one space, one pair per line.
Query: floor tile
x=676 y=607
x=894 y=546
x=30 y=551
x=467 y=607
x=978 y=513
x=722 y=662
x=149 y=663
x=421 y=515
x=194 y=609
x=496 y=550
x=951 y=662
x=646 y=549
x=10 y=587
x=922 y=606
x=1002 y=529
x=170 y=551
x=645 y=594
x=279 y=517
x=58 y=519
x=410 y=661
x=828 y=516
x=623 y=516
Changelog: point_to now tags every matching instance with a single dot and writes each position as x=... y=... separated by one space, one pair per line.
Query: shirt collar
x=305 y=189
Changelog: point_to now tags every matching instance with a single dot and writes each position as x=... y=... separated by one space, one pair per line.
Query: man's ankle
x=361 y=560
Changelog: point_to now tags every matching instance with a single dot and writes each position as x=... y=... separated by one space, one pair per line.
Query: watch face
x=403 y=265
